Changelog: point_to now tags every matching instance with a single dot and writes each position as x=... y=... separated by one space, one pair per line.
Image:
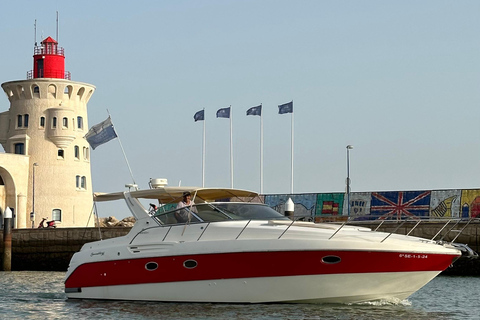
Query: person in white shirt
x=182 y=216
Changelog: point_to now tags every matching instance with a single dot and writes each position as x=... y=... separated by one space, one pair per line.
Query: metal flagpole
x=291 y=188
x=123 y=150
x=231 y=148
x=261 y=151
x=203 y=151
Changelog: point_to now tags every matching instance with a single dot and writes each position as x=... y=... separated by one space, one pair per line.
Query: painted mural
x=453 y=203
x=304 y=204
x=359 y=204
x=470 y=202
x=445 y=203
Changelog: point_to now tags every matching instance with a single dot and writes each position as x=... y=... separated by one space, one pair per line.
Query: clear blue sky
x=399 y=80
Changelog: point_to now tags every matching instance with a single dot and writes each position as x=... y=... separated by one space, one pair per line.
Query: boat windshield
x=219 y=211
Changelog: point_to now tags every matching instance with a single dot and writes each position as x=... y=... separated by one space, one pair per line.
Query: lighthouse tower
x=45 y=171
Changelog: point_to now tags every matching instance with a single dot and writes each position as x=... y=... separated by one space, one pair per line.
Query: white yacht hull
x=334 y=288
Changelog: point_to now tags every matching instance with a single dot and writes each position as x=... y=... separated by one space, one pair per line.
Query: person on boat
x=182 y=215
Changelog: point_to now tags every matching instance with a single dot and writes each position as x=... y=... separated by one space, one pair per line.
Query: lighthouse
x=45 y=170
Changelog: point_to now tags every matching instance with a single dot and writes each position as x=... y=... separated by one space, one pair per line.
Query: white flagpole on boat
x=123 y=150
x=291 y=188
x=203 y=151
x=261 y=151
x=231 y=148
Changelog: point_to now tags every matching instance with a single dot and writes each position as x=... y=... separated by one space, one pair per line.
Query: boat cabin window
x=218 y=211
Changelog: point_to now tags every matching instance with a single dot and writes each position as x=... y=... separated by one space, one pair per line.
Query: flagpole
x=291 y=188
x=231 y=148
x=123 y=150
x=261 y=151
x=203 y=151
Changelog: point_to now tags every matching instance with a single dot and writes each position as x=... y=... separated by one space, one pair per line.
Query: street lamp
x=349 y=147
x=32 y=215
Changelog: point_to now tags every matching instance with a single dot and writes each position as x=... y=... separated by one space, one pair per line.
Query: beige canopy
x=173 y=194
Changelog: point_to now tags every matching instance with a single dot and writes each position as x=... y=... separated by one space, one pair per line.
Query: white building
x=46 y=165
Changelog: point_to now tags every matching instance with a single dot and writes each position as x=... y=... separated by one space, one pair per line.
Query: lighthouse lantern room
x=48 y=61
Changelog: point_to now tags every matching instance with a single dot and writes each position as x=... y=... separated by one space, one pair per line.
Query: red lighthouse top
x=48 y=61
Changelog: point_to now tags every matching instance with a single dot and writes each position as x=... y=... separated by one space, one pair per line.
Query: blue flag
x=101 y=133
x=223 y=113
x=285 y=108
x=199 y=116
x=255 y=111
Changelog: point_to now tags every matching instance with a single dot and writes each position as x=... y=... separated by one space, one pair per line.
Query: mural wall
x=455 y=203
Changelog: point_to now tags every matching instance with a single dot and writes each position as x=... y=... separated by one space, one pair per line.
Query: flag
x=223 y=113
x=199 y=116
x=101 y=133
x=255 y=111
x=396 y=204
x=285 y=108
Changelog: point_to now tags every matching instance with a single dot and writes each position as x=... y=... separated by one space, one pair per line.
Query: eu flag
x=285 y=108
x=255 y=111
x=223 y=113
x=199 y=116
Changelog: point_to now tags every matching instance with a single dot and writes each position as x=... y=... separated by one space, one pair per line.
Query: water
x=39 y=295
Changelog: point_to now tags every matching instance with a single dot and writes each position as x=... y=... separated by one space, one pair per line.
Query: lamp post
x=32 y=215
x=349 y=147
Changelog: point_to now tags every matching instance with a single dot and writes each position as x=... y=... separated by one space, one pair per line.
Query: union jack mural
x=402 y=203
x=461 y=203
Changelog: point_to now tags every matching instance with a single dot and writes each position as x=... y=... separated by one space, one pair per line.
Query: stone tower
x=46 y=124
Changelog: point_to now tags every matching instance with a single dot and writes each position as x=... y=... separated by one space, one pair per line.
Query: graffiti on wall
x=454 y=203
x=304 y=203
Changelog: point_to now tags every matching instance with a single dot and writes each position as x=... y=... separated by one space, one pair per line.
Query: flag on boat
x=285 y=108
x=199 y=116
x=223 y=113
x=101 y=133
x=255 y=111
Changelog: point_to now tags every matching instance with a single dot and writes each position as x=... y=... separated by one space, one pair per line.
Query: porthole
x=190 y=264
x=150 y=266
x=331 y=259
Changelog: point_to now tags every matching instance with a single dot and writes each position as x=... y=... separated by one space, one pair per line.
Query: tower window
x=81 y=182
x=25 y=120
x=79 y=122
x=19 y=148
x=60 y=154
x=77 y=152
x=65 y=122
x=54 y=122
x=57 y=214
x=42 y=122
x=19 y=121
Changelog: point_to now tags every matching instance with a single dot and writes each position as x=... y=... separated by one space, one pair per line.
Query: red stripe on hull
x=250 y=265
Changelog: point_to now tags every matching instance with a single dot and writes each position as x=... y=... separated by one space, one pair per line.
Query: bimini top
x=172 y=194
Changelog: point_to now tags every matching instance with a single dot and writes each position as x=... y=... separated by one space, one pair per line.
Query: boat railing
x=454 y=224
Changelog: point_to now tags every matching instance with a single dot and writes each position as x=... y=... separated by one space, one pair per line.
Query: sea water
x=39 y=295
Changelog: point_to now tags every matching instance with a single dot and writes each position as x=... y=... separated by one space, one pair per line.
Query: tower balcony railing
x=66 y=75
x=49 y=50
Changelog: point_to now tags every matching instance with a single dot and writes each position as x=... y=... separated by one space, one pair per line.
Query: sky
x=398 y=80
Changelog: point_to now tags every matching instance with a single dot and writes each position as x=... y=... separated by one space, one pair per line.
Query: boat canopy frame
x=167 y=195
